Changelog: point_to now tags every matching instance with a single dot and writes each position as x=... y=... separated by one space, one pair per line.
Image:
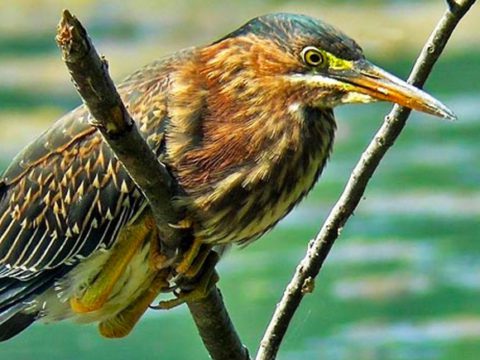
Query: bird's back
x=66 y=195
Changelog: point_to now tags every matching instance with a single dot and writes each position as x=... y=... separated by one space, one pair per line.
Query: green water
x=402 y=282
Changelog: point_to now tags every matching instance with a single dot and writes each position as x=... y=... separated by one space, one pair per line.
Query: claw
x=182 y=224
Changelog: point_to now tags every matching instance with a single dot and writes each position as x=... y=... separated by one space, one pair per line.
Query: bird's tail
x=16 y=297
x=16 y=321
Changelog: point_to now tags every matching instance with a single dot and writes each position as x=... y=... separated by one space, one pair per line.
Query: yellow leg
x=201 y=286
x=198 y=263
x=129 y=241
x=158 y=261
x=121 y=324
x=191 y=255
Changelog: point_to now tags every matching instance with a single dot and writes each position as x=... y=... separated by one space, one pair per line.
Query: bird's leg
x=196 y=287
x=122 y=323
x=192 y=265
x=194 y=271
x=130 y=240
x=189 y=257
x=157 y=259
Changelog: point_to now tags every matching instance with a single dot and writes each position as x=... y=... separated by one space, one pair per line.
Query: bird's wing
x=66 y=195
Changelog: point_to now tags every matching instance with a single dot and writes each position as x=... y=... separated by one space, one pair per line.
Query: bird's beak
x=365 y=78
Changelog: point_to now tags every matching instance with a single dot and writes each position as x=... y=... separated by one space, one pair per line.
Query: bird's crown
x=292 y=31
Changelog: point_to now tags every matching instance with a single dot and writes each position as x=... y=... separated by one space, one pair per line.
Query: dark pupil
x=315 y=58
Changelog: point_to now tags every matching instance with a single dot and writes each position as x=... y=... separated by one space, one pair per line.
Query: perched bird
x=245 y=126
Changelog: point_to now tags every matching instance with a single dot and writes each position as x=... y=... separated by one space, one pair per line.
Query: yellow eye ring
x=313 y=57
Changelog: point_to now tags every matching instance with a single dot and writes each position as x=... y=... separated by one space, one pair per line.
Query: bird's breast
x=245 y=199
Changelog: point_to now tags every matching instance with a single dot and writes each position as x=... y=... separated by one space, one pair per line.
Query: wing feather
x=66 y=195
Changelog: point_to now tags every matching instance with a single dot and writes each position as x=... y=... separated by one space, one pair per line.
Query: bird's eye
x=312 y=56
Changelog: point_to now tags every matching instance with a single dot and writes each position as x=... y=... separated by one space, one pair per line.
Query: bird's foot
x=191 y=289
x=192 y=259
x=160 y=260
x=187 y=263
x=157 y=259
x=122 y=323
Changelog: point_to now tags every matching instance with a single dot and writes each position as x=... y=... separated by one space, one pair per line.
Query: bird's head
x=310 y=62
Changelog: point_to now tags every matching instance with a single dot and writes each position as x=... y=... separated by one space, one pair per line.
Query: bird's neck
x=234 y=134
x=225 y=116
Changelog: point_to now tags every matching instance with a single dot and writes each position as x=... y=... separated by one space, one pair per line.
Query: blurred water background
x=403 y=281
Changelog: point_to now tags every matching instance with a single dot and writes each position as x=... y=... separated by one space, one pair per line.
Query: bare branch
x=90 y=76
x=220 y=344
x=319 y=248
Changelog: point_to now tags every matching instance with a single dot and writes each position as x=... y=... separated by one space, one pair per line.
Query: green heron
x=245 y=126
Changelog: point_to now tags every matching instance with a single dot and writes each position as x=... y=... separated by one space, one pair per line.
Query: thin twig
x=91 y=78
x=319 y=248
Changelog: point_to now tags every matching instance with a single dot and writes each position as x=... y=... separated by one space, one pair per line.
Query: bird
x=245 y=126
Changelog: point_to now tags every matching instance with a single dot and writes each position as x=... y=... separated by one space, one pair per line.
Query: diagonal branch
x=308 y=269
x=90 y=75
